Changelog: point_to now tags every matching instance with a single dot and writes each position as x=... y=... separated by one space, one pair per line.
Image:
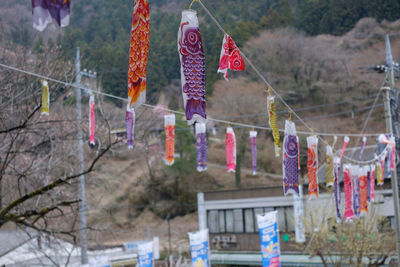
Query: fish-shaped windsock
x=46 y=11
x=336 y=186
x=45 y=98
x=138 y=53
x=355 y=176
x=191 y=54
x=363 y=191
x=364 y=140
x=380 y=169
x=230 y=150
x=92 y=121
x=273 y=124
x=348 y=193
x=230 y=57
x=169 y=128
x=290 y=160
x=253 y=135
x=130 y=125
x=372 y=181
x=346 y=141
x=329 y=167
x=312 y=167
x=201 y=146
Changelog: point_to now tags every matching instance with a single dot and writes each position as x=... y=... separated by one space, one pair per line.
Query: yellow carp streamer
x=45 y=98
x=273 y=124
x=329 y=166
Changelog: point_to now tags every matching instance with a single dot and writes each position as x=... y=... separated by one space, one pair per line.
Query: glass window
x=221 y=220
x=268 y=209
x=213 y=221
x=257 y=211
x=248 y=221
x=290 y=218
x=281 y=219
x=238 y=220
x=229 y=221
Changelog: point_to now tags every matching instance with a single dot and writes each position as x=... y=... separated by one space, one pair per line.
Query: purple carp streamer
x=290 y=159
x=46 y=11
x=253 y=135
x=191 y=55
x=130 y=125
x=336 y=186
x=201 y=147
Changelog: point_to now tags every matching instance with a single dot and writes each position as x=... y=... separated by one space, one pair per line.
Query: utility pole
x=389 y=129
x=82 y=203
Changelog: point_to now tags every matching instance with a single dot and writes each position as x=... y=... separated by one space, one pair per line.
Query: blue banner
x=199 y=248
x=145 y=254
x=269 y=239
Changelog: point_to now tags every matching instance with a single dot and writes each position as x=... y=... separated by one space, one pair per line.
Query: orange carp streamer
x=138 y=53
x=312 y=167
x=169 y=127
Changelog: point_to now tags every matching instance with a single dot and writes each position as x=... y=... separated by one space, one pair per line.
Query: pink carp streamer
x=290 y=159
x=372 y=186
x=312 y=167
x=230 y=57
x=201 y=146
x=253 y=135
x=230 y=150
x=169 y=128
x=45 y=98
x=364 y=191
x=329 y=167
x=393 y=154
x=348 y=194
x=346 y=141
x=273 y=124
x=130 y=125
x=92 y=121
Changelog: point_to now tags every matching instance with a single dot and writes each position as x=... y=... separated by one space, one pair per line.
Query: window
x=213 y=221
x=256 y=212
x=238 y=220
x=229 y=221
x=289 y=213
x=281 y=219
x=248 y=221
x=221 y=220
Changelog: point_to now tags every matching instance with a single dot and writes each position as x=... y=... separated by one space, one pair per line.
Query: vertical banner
x=364 y=191
x=364 y=140
x=393 y=153
x=45 y=98
x=199 y=248
x=156 y=248
x=269 y=239
x=191 y=55
x=298 y=216
x=169 y=128
x=92 y=121
x=290 y=158
x=201 y=146
x=145 y=254
x=372 y=188
x=329 y=167
x=348 y=193
x=253 y=135
x=355 y=176
x=230 y=150
x=130 y=125
x=138 y=53
x=312 y=166
x=273 y=124
x=368 y=184
x=336 y=186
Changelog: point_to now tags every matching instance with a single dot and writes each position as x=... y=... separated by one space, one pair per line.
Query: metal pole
x=389 y=129
x=82 y=203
